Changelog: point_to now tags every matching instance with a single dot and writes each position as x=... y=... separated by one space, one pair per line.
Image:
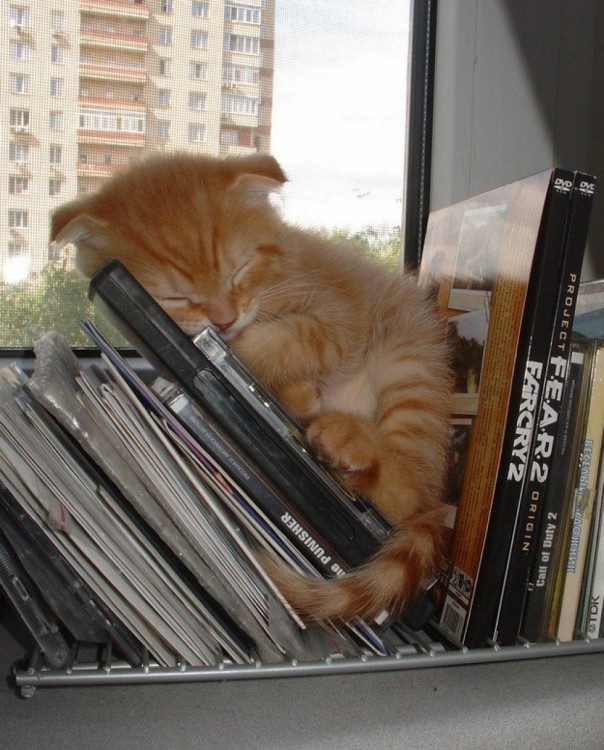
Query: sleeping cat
x=352 y=349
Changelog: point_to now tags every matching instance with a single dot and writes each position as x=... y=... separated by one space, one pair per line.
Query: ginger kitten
x=354 y=350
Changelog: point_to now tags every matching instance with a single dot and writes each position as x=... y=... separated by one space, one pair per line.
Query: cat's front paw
x=346 y=442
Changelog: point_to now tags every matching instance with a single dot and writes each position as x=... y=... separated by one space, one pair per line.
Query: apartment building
x=89 y=85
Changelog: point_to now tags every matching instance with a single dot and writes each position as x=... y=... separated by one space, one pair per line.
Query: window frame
x=418 y=146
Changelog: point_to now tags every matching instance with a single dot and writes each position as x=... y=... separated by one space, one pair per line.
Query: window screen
x=90 y=85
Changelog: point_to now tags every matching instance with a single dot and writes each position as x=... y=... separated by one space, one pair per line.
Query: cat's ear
x=257 y=176
x=90 y=236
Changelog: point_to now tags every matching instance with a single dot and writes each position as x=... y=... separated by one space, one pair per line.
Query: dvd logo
x=588 y=187
x=561 y=184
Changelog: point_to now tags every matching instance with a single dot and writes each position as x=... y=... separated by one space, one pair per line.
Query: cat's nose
x=223 y=324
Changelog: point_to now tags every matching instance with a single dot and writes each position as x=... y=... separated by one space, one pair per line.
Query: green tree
x=383 y=243
x=54 y=299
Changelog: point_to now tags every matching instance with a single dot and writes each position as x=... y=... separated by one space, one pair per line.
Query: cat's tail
x=396 y=574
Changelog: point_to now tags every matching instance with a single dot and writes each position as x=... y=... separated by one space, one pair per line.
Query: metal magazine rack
x=423 y=651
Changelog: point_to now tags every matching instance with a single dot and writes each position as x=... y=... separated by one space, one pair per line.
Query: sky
x=339 y=106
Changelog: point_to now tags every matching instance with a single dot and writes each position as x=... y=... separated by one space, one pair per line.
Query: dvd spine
x=556 y=506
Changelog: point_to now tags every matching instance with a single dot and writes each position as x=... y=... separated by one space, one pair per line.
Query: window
x=163 y=97
x=56 y=54
x=17 y=184
x=112 y=122
x=15 y=249
x=19 y=17
x=197 y=101
x=199 y=10
x=229 y=137
x=242 y=13
x=249 y=45
x=198 y=71
x=163 y=130
x=54 y=186
x=320 y=84
x=197 y=132
x=56 y=87
x=19 y=120
x=19 y=84
x=165 y=36
x=18 y=219
x=18 y=153
x=55 y=153
x=165 y=67
x=240 y=74
x=199 y=39
x=55 y=120
x=235 y=104
x=19 y=51
x=57 y=22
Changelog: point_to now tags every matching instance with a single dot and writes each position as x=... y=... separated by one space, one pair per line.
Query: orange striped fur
x=353 y=349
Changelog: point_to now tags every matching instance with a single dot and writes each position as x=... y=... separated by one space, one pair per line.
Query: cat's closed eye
x=237 y=277
x=174 y=302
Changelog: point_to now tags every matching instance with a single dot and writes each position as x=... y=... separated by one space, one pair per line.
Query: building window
x=18 y=184
x=16 y=249
x=163 y=130
x=18 y=153
x=242 y=13
x=19 y=120
x=19 y=51
x=248 y=45
x=197 y=132
x=199 y=39
x=163 y=97
x=240 y=74
x=19 y=84
x=232 y=104
x=199 y=9
x=56 y=54
x=54 y=186
x=18 y=219
x=165 y=67
x=166 y=6
x=197 y=101
x=55 y=153
x=198 y=71
x=57 y=22
x=112 y=122
x=56 y=87
x=19 y=17
x=229 y=137
x=165 y=36
x=55 y=120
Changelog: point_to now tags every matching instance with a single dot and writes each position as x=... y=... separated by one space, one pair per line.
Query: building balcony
x=124 y=73
x=88 y=169
x=101 y=102
x=232 y=149
x=111 y=138
x=123 y=8
x=239 y=120
x=107 y=40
